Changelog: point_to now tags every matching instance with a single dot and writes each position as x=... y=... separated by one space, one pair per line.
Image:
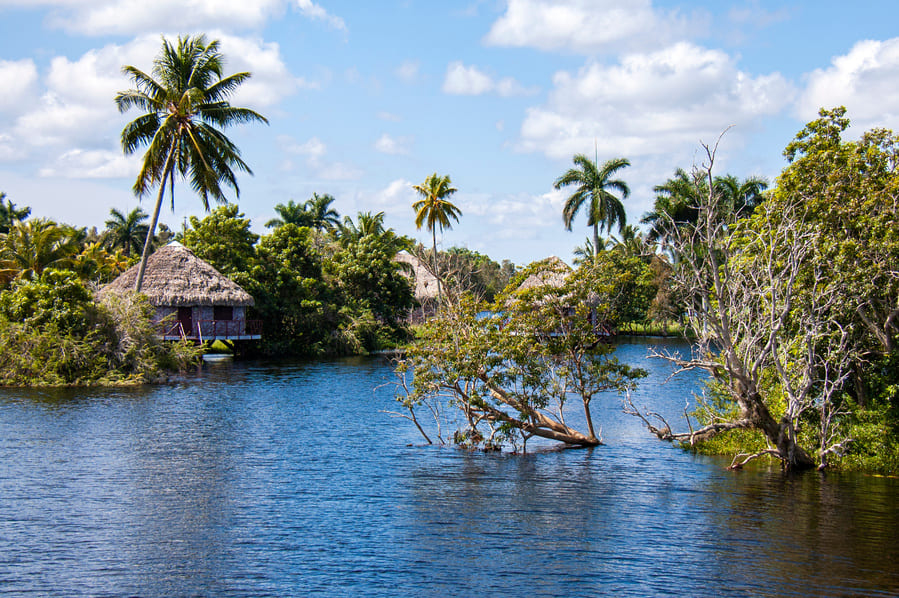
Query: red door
x=185 y=317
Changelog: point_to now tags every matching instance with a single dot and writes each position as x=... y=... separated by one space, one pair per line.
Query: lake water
x=288 y=479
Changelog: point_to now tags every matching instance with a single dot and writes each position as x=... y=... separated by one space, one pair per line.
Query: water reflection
x=288 y=479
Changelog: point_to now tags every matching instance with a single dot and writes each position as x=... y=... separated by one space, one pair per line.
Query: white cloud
x=864 y=80
x=389 y=116
x=91 y=164
x=18 y=84
x=650 y=103
x=408 y=71
x=313 y=11
x=470 y=80
x=393 y=145
x=271 y=80
x=99 y=17
x=315 y=150
x=588 y=26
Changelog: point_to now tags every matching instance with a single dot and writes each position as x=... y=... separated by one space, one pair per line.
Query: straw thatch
x=425 y=282
x=552 y=272
x=175 y=277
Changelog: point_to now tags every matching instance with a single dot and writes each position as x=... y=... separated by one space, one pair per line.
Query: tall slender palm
x=434 y=210
x=594 y=188
x=186 y=104
x=126 y=231
x=675 y=206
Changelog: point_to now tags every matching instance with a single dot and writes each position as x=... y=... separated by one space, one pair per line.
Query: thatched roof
x=551 y=271
x=176 y=277
x=425 y=282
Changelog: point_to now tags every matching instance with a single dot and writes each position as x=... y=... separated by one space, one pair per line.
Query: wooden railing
x=207 y=330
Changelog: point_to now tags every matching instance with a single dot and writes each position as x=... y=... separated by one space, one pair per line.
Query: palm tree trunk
x=595 y=242
x=149 y=241
x=436 y=267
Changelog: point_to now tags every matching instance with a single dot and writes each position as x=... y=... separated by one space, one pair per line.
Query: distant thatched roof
x=425 y=282
x=176 y=277
x=551 y=271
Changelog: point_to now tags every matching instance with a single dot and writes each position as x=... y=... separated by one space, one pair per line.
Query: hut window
x=222 y=312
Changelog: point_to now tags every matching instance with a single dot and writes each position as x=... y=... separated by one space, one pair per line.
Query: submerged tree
x=185 y=104
x=511 y=376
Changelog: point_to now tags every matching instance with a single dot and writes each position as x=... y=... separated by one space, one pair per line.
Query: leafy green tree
x=10 y=214
x=126 y=231
x=53 y=332
x=185 y=104
x=286 y=280
x=594 y=189
x=434 y=210
x=511 y=378
x=223 y=238
x=371 y=281
x=474 y=272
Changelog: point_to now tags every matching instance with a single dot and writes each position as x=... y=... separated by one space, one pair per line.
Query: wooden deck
x=211 y=330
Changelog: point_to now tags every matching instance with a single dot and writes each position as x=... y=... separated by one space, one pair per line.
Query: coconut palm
x=366 y=224
x=125 y=231
x=321 y=215
x=290 y=213
x=740 y=198
x=594 y=189
x=185 y=101
x=33 y=246
x=434 y=210
x=675 y=206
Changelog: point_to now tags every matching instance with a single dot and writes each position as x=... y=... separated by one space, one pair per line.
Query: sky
x=365 y=99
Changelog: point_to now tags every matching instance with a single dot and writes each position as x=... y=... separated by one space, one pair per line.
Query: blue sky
x=366 y=99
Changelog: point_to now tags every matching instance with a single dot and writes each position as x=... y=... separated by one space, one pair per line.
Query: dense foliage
x=506 y=377
x=54 y=333
x=794 y=302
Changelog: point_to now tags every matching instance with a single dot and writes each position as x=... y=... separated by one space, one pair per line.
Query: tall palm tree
x=186 y=104
x=126 y=231
x=9 y=214
x=594 y=188
x=434 y=210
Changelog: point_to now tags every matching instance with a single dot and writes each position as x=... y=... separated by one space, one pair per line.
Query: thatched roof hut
x=176 y=277
x=425 y=282
x=193 y=300
x=551 y=271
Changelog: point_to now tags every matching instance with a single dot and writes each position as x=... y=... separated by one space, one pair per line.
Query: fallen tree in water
x=505 y=372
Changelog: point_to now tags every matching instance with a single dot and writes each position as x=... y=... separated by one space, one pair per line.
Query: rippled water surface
x=288 y=479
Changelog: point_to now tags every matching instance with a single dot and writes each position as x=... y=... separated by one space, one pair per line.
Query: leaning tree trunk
x=149 y=240
x=780 y=434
